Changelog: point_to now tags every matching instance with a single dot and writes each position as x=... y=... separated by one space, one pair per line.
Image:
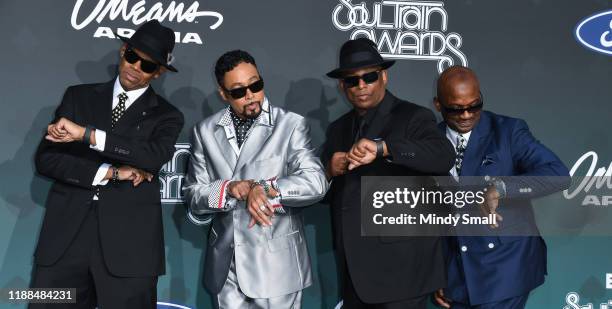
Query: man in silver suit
x=254 y=169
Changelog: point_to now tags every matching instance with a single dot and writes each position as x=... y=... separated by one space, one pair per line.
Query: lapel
x=479 y=140
x=138 y=110
x=345 y=138
x=262 y=129
x=102 y=105
x=442 y=128
x=221 y=136
x=381 y=119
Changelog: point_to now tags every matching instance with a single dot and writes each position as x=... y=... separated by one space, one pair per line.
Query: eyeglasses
x=145 y=65
x=368 y=78
x=238 y=93
x=458 y=111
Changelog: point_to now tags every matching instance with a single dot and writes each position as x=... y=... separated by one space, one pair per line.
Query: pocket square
x=487 y=160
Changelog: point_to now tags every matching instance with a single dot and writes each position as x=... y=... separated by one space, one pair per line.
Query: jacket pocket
x=284 y=242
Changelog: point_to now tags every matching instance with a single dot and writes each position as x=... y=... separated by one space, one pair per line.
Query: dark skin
x=363 y=97
x=458 y=87
x=131 y=77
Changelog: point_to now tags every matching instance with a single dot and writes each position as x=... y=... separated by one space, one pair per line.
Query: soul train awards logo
x=572 y=300
x=404 y=30
x=596 y=183
x=595 y=32
x=172 y=175
x=105 y=11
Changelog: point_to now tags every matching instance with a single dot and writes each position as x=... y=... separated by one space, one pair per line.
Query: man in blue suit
x=495 y=270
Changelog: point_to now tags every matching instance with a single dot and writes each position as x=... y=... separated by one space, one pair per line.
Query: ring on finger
x=262 y=207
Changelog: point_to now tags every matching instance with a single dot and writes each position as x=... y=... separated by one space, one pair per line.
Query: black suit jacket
x=385 y=269
x=130 y=222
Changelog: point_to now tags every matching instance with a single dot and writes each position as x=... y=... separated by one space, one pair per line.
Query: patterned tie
x=460 y=151
x=119 y=110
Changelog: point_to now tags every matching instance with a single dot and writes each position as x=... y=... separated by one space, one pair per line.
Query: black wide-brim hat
x=357 y=54
x=154 y=40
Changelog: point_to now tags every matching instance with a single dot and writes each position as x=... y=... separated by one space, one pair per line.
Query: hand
x=441 y=300
x=362 y=153
x=491 y=202
x=135 y=175
x=240 y=189
x=256 y=199
x=338 y=165
x=64 y=131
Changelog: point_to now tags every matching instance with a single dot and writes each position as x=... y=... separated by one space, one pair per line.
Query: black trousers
x=82 y=267
x=352 y=301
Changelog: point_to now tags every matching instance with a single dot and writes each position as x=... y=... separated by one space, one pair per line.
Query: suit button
x=137 y=127
x=232 y=245
x=464 y=248
x=491 y=245
x=144 y=113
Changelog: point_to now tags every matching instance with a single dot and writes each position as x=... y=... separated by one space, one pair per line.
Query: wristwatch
x=500 y=187
x=115 y=177
x=87 y=136
x=380 y=148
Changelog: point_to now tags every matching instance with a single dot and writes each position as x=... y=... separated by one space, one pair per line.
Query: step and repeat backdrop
x=545 y=61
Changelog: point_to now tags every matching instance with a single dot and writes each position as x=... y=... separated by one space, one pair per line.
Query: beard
x=251 y=115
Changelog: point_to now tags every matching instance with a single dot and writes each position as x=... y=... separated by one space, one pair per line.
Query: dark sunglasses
x=458 y=111
x=368 y=78
x=145 y=65
x=238 y=93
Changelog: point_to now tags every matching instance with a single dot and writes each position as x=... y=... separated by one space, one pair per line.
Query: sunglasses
x=145 y=65
x=238 y=93
x=353 y=81
x=458 y=111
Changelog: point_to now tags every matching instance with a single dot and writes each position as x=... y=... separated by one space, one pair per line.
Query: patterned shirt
x=241 y=126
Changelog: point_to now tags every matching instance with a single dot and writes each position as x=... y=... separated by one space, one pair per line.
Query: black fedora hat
x=154 y=40
x=359 y=53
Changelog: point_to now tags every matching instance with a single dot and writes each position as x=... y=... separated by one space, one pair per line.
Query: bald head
x=455 y=80
x=458 y=98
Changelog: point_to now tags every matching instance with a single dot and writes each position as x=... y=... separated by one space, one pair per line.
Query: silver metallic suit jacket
x=270 y=261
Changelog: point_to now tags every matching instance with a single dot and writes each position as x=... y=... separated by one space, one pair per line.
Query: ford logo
x=163 y=305
x=595 y=32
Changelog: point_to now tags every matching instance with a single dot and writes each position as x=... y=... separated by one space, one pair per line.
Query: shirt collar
x=133 y=95
x=452 y=136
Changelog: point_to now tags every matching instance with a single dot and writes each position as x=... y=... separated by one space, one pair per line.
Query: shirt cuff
x=276 y=201
x=219 y=197
x=100 y=140
x=99 y=178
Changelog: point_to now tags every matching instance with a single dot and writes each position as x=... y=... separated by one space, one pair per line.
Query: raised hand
x=64 y=131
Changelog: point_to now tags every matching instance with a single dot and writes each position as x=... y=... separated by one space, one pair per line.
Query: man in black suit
x=381 y=136
x=102 y=232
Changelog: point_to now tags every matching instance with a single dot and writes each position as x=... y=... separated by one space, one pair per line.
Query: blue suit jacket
x=490 y=268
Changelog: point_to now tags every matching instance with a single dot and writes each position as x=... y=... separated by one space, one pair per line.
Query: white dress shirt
x=132 y=95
